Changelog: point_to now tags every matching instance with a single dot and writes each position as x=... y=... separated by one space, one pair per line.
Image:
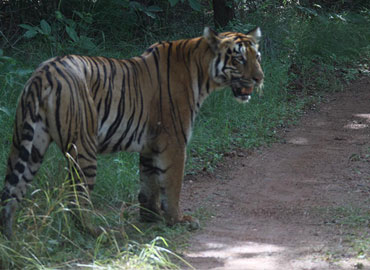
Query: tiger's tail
x=30 y=142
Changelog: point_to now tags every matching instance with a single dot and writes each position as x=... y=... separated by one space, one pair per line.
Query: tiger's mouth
x=243 y=94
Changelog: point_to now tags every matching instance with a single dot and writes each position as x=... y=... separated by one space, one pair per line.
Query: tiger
x=147 y=104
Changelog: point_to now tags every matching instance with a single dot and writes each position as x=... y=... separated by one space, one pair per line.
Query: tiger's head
x=236 y=61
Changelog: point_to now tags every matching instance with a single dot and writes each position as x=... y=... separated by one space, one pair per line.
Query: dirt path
x=284 y=207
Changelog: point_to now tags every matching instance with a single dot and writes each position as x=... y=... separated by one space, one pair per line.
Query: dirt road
x=299 y=204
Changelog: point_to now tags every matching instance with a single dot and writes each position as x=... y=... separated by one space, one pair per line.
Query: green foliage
x=55 y=34
x=306 y=52
x=353 y=221
x=12 y=77
x=150 y=11
x=10 y=71
x=47 y=235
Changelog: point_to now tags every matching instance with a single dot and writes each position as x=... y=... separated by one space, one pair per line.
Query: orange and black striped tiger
x=147 y=104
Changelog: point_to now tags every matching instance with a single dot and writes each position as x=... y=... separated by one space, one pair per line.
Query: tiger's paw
x=190 y=222
x=150 y=215
x=107 y=234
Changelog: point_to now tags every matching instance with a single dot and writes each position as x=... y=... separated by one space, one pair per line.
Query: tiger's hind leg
x=82 y=173
x=24 y=161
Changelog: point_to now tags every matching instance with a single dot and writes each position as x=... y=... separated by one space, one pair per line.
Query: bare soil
x=289 y=206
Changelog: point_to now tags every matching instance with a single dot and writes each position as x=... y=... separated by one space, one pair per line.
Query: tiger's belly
x=127 y=137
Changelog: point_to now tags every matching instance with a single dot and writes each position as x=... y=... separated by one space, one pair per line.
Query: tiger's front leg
x=149 y=196
x=161 y=176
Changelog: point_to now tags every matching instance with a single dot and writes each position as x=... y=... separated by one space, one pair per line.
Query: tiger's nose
x=257 y=79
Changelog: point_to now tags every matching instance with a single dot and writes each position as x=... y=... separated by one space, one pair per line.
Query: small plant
x=10 y=72
x=53 y=34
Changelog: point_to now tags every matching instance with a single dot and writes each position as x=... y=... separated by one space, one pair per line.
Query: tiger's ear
x=212 y=39
x=256 y=34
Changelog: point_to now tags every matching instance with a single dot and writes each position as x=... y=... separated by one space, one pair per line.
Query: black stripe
x=184 y=44
x=207 y=86
x=88 y=147
x=181 y=125
x=128 y=77
x=142 y=131
x=89 y=158
x=15 y=197
x=159 y=83
x=225 y=61
x=19 y=167
x=27 y=137
x=5 y=195
x=124 y=134
x=149 y=168
x=27 y=126
x=138 y=121
x=35 y=155
x=147 y=68
x=199 y=77
x=89 y=168
x=149 y=50
x=173 y=113
x=108 y=98
x=129 y=142
x=57 y=114
x=217 y=62
x=12 y=179
x=134 y=78
x=26 y=179
x=96 y=85
x=197 y=44
x=117 y=121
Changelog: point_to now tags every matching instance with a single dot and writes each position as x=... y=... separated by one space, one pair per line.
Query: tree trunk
x=223 y=12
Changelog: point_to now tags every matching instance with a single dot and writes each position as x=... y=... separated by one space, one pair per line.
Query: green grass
x=353 y=223
x=352 y=220
x=301 y=59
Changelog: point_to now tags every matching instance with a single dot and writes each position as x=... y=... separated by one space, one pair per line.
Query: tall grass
x=304 y=56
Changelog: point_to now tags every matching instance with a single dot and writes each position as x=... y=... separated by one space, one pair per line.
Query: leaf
x=26 y=26
x=173 y=2
x=59 y=15
x=1 y=52
x=308 y=11
x=24 y=72
x=87 y=43
x=45 y=27
x=5 y=110
x=79 y=14
x=30 y=33
x=7 y=59
x=154 y=9
x=72 y=33
x=136 y=5
x=195 y=4
x=150 y=14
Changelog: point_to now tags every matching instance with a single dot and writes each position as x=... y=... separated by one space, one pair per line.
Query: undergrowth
x=304 y=56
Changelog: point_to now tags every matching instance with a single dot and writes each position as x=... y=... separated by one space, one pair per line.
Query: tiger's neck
x=186 y=69
x=176 y=81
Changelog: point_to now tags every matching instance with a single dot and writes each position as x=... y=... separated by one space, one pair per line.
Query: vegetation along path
x=303 y=203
